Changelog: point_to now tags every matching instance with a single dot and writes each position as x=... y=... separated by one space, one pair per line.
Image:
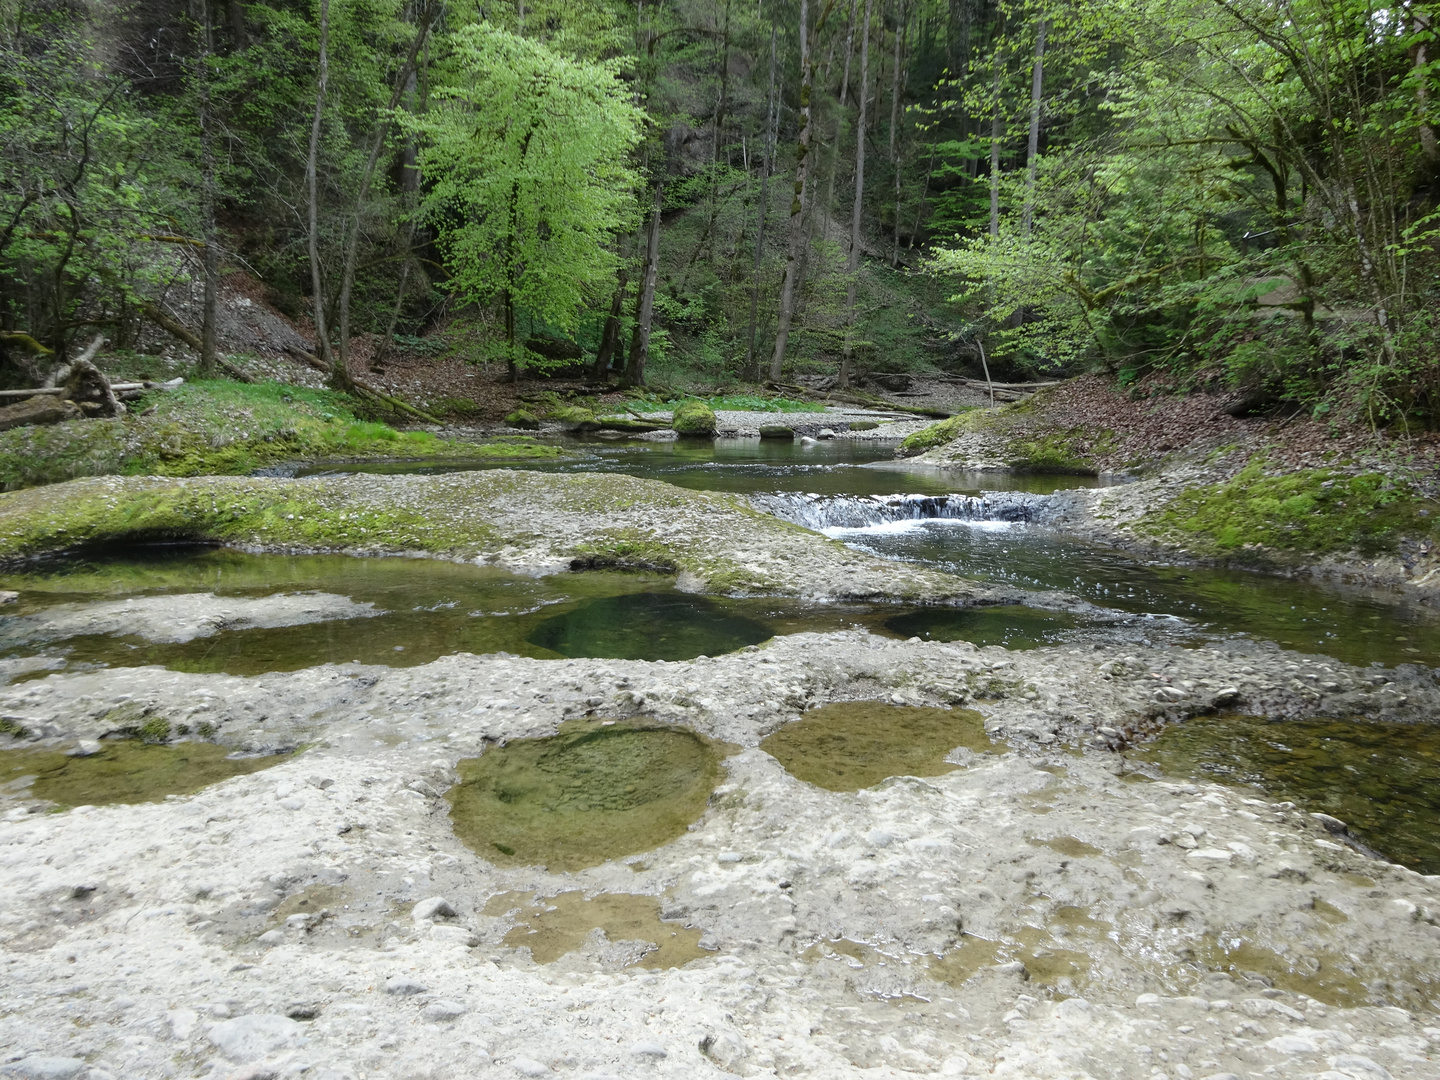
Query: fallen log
x=175 y=329
x=379 y=395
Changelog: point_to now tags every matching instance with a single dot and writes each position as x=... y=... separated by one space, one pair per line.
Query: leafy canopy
x=526 y=153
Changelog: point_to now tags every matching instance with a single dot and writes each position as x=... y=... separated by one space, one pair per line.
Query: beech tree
x=525 y=156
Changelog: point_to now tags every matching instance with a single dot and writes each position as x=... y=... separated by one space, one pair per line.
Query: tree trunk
x=901 y=29
x=797 y=202
x=312 y=189
x=840 y=115
x=1032 y=151
x=997 y=132
x=645 y=303
x=1429 y=145
x=752 y=363
x=211 y=254
x=852 y=260
x=610 y=336
x=377 y=144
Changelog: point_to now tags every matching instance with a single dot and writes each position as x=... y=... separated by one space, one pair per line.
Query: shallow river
x=403 y=612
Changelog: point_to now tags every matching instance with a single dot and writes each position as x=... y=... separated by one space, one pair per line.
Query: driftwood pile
x=74 y=390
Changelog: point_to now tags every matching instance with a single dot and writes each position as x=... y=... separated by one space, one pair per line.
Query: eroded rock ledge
x=523 y=521
x=285 y=922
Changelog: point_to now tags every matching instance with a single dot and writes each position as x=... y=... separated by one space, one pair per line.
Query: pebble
x=442 y=1009
x=651 y=1051
x=436 y=907
x=404 y=986
x=528 y=1067
x=254 y=1035
x=84 y=748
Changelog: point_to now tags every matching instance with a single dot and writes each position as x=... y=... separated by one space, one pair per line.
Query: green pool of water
x=1012 y=625
x=648 y=626
x=124 y=771
x=592 y=793
x=1381 y=779
x=849 y=745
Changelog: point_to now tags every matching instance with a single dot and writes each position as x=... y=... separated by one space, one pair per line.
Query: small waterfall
x=822 y=512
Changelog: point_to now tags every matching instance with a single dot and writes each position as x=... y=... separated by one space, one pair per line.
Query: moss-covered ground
x=511 y=518
x=1307 y=511
x=220 y=427
x=1015 y=436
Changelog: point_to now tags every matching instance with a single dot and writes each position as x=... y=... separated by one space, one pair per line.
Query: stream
x=290 y=612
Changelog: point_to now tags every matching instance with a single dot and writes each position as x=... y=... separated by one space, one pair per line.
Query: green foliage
x=1311 y=511
x=693 y=418
x=525 y=153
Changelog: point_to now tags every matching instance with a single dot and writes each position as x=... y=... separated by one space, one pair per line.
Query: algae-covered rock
x=693 y=418
x=863 y=425
x=574 y=417
x=776 y=431
x=521 y=418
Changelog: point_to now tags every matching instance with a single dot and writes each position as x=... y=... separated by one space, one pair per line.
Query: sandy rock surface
x=180 y=617
x=298 y=921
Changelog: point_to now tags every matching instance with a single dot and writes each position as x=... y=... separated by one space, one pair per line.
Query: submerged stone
x=589 y=794
x=849 y=745
x=553 y=926
x=1381 y=779
x=648 y=626
x=1012 y=625
x=124 y=771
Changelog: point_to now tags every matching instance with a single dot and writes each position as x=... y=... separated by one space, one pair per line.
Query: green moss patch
x=127 y=771
x=219 y=427
x=693 y=418
x=850 y=745
x=1311 y=511
x=592 y=793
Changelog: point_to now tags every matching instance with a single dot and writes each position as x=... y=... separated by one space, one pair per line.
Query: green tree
x=525 y=152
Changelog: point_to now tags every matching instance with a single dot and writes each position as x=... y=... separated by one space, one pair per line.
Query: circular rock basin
x=648 y=626
x=589 y=794
x=124 y=771
x=849 y=745
x=1012 y=625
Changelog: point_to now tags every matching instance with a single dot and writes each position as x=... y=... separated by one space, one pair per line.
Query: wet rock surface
x=179 y=618
x=1041 y=913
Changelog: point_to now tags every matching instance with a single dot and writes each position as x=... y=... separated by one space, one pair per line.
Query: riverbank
x=1041 y=911
x=221 y=427
x=521 y=521
x=1294 y=496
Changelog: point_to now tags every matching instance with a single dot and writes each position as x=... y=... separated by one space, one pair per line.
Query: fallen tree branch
x=175 y=329
x=379 y=395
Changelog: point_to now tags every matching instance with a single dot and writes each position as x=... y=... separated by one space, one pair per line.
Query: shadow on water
x=593 y=792
x=419 y=609
x=1012 y=625
x=1382 y=779
x=648 y=626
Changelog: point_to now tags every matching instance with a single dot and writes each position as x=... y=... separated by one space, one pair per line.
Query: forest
x=1229 y=192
